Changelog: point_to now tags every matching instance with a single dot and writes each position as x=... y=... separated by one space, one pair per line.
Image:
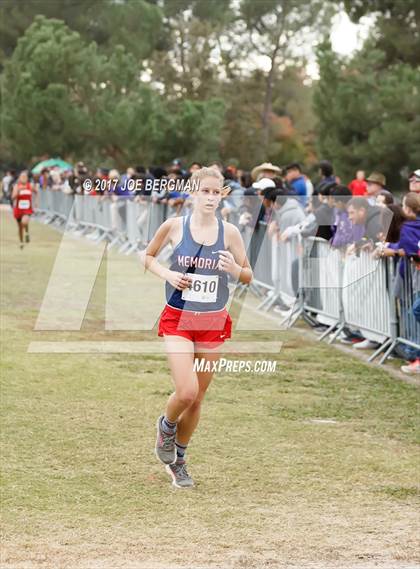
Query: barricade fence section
x=377 y=296
x=321 y=280
x=407 y=290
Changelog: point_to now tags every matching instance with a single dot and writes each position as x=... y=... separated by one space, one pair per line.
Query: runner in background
x=22 y=202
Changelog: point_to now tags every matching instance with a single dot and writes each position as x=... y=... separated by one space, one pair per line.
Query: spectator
x=232 y=168
x=65 y=187
x=194 y=166
x=288 y=213
x=129 y=174
x=408 y=243
x=398 y=218
x=326 y=172
x=358 y=186
x=176 y=198
x=158 y=173
x=265 y=170
x=43 y=179
x=76 y=180
x=328 y=179
x=408 y=247
x=319 y=221
x=217 y=166
x=232 y=203
x=176 y=168
x=384 y=198
x=7 y=184
x=296 y=180
x=414 y=179
x=369 y=217
x=345 y=233
x=56 y=182
x=262 y=187
x=414 y=355
x=324 y=214
x=309 y=187
x=375 y=184
x=118 y=196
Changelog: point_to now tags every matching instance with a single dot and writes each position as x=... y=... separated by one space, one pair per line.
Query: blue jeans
x=410 y=352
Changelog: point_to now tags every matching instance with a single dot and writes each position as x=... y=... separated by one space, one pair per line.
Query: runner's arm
x=178 y=280
x=148 y=256
x=242 y=269
x=15 y=192
x=36 y=197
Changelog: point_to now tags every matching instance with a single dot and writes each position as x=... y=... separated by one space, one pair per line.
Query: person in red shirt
x=22 y=200
x=358 y=186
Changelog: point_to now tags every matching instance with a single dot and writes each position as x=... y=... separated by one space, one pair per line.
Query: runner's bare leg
x=183 y=377
x=20 y=226
x=188 y=421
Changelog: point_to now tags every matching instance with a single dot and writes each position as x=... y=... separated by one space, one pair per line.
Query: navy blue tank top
x=209 y=291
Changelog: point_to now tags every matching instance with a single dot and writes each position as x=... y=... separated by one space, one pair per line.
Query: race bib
x=203 y=288
x=24 y=204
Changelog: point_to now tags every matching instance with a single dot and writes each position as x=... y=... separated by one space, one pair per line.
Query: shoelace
x=167 y=440
x=181 y=470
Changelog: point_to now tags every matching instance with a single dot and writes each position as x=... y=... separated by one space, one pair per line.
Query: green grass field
x=275 y=486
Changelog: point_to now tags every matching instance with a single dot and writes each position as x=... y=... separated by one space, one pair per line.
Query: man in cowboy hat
x=265 y=170
x=375 y=183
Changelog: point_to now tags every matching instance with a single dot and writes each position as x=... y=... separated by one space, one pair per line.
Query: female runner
x=194 y=322
x=22 y=197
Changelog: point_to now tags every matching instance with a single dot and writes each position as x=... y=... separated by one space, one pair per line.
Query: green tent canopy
x=51 y=163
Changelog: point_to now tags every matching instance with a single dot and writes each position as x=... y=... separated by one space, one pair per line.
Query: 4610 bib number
x=203 y=288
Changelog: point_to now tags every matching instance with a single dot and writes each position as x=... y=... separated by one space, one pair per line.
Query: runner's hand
x=227 y=261
x=180 y=281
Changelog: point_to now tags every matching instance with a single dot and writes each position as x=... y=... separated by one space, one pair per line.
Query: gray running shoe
x=165 y=444
x=180 y=476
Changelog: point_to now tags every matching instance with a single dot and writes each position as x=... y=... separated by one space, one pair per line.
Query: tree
x=61 y=96
x=276 y=30
x=368 y=113
x=188 y=60
x=291 y=119
x=135 y=25
x=397 y=27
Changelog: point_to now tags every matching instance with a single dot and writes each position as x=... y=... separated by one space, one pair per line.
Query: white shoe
x=412 y=368
x=366 y=345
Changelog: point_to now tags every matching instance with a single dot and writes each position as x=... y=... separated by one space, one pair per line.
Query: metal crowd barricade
x=137 y=215
x=66 y=206
x=54 y=206
x=408 y=304
x=142 y=219
x=367 y=298
x=117 y=210
x=281 y=264
x=158 y=214
x=104 y=218
x=354 y=290
x=43 y=204
x=321 y=281
x=78 y=211
x=259 y=254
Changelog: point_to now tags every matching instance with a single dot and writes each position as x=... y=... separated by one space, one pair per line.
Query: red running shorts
x=210 y=329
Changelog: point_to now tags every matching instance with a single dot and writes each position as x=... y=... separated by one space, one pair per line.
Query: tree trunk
x=269 y=95
x=267 y=108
